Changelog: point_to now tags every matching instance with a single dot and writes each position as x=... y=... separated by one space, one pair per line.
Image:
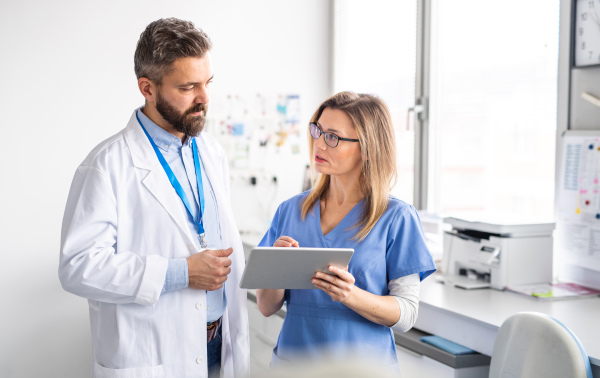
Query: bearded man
x=148 y=235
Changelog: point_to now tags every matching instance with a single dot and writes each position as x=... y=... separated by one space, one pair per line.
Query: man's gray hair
x=163 y=42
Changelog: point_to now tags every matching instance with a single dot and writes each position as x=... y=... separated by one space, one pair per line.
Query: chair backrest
x=531 y=344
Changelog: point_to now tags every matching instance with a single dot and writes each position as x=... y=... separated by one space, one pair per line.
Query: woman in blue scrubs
x=352 y=149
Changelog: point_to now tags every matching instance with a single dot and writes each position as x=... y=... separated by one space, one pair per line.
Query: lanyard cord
x=176 y=185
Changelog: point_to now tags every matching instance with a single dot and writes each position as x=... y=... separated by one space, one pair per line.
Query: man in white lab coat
x=148 y=234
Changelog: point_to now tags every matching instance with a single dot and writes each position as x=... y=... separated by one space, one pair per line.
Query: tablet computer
x=290 y=267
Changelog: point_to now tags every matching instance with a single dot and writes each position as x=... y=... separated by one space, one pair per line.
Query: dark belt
x=211 y=330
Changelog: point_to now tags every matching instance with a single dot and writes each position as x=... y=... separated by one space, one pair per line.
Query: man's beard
x=182 y=122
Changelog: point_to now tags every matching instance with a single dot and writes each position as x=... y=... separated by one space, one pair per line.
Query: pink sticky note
x=583 y=191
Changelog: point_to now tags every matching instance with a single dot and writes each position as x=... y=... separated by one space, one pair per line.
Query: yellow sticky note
x=543 y=295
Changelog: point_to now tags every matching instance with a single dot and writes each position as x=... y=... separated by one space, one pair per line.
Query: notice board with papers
x=578 y=209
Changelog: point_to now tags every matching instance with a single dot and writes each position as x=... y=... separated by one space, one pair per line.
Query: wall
x=67 y=83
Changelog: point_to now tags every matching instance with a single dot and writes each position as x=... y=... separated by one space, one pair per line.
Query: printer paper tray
x=463 y=282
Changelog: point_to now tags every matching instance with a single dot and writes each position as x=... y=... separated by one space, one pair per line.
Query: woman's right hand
x=270 y=300
x=285 y=241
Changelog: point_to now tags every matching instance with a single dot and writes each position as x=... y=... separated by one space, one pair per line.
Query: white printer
x=496 y=251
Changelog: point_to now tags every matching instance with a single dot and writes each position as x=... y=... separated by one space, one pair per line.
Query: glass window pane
x=374 y=52
x=493 y=102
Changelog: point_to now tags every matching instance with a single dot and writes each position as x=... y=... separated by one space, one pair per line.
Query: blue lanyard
x=177 y=185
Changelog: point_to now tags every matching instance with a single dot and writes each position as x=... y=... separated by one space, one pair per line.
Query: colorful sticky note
x=547 y=294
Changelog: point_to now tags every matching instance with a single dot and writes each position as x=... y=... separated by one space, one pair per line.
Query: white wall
x=67 y=83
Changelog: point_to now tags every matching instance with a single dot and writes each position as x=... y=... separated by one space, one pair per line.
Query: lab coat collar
x=157 y=182
x=142 y=154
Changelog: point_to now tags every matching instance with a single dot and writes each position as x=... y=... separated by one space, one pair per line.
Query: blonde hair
x=373 y=124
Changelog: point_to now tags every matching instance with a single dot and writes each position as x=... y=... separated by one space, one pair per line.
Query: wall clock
x=587 y=33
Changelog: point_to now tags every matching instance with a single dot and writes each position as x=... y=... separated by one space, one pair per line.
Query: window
x=489 y=77
x=492 y=116
x=374 y=52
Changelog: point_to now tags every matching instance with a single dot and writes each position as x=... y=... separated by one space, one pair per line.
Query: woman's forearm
x=379 y=309
x=269 y=300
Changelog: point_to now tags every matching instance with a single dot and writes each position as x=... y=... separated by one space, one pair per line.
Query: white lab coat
x=122 y=222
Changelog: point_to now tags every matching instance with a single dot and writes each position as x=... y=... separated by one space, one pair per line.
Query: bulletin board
x=578 y=209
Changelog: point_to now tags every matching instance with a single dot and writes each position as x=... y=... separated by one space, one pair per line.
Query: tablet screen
x=291 y=267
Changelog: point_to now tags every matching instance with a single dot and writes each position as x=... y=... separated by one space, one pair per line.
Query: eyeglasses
x=331 y=139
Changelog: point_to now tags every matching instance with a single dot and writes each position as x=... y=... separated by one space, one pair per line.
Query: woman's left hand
x=340 y=288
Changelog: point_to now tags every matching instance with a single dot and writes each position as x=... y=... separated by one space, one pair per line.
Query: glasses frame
x=325 y=133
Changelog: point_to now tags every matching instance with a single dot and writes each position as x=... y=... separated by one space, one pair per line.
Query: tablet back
x=290 y=268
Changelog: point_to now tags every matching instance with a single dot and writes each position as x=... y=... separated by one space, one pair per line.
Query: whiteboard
x=578 y=209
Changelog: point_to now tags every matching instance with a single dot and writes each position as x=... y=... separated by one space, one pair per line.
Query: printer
x=496 y=252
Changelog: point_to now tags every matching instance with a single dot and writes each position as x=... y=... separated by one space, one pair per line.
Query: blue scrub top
x=314 y=324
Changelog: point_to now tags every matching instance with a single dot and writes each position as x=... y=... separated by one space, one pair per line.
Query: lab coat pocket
x=142 y=372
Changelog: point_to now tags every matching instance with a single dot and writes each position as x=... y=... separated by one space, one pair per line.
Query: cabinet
x=418 y=359
x=263 y=337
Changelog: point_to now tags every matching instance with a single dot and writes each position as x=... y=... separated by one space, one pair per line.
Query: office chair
x=532 y=344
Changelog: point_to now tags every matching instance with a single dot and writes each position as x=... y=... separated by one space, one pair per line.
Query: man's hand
x=208 y=270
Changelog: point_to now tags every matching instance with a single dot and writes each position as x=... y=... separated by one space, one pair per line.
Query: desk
x=472 y=317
